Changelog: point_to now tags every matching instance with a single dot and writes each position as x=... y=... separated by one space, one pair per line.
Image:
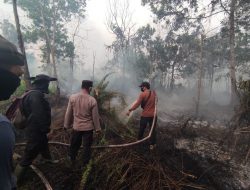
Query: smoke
x=214 y=102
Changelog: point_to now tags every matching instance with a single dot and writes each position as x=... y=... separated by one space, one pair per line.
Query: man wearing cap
x=37 y=111
x=82 y=114
x=11 y=62
x=147 y=101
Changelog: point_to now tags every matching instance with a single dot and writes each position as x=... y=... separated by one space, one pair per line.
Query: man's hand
x=128 y=113
x=98 y=131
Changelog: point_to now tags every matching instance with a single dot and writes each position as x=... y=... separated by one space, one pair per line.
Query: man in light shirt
x=82 y=114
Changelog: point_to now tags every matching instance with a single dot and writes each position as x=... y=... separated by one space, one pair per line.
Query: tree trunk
x=234 y=92
x=172 y=77
x=211 y=82
x=93 y=67
x=48 y=51
x=47 y=38
x=162 y=79
x=53 y=51
x=21 y=45
x=200 y=78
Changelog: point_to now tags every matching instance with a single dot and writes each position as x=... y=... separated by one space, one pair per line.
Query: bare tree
x=50 y=43
x=234 y=92
x=119 y=22
x=94 y=55
x=21 y=45
x=72 y=58
x=199 y=89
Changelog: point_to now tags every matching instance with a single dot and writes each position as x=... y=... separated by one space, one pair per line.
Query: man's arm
x=7 y=144
x=68 y=119
x=96 y=117
x=137 y=103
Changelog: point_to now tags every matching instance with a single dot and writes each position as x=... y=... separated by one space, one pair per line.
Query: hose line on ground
x=39 y=174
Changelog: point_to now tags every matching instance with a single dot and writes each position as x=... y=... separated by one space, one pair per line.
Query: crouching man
x=82 y=114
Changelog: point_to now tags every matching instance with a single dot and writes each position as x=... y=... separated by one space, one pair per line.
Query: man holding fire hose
x=147 y=101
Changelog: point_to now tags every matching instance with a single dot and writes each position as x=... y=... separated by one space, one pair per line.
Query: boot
x=47 y=158
x=19 y=173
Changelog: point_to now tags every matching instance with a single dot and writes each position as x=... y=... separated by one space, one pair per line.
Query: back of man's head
x=41 y=82
x=145 y=84
x=87 y=84
x=10 y=68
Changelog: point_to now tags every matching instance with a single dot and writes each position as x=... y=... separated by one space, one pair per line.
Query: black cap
x=87 y=83
x=145 y=84
x=42 y=77
x=9 y=53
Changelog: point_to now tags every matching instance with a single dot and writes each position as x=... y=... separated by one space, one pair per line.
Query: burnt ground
x=138 y=166
x=191 y=153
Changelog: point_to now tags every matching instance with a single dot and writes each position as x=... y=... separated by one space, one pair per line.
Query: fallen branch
x=248 y=153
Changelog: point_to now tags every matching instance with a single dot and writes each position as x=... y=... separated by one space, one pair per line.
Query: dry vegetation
x=188 y=154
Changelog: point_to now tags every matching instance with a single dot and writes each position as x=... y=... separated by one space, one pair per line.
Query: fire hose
x=40 y=175
x=44 y=180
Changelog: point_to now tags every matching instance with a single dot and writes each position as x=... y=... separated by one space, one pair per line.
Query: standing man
x=11 y=62
x=37 y=110
x=82 y=114
x=147 y=100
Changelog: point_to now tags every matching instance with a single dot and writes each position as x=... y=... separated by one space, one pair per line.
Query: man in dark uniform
x=37 y=110
x=11 y=62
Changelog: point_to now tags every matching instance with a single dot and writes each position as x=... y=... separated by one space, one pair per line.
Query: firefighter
x=147 y=101
x=82 y=114
x=37 y=111
x=11 y=62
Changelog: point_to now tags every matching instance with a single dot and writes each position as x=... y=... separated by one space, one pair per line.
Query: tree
x=175 y=55
x=234 y=92
x=185 y=15
x=119 y=22
x=48 y=26
x=21 y=45
x=9 y=31
x=235 y=32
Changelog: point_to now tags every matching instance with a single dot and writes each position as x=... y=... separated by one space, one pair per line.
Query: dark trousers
x=78 y=138
x=36 y=144
x=143 y=124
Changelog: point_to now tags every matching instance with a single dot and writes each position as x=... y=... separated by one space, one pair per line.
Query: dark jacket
x=38 y=113
x=7 y=143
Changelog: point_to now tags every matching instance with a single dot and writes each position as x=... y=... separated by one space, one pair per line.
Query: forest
x=195 y=54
